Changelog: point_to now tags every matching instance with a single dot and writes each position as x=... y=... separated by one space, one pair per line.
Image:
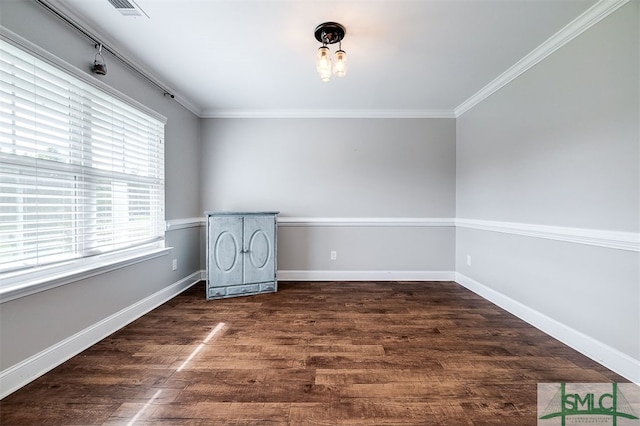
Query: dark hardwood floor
x=427 y=353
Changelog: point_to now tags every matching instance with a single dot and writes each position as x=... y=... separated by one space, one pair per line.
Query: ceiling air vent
x=128 y=8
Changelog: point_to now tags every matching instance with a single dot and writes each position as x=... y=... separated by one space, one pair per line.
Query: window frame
x=40 y=278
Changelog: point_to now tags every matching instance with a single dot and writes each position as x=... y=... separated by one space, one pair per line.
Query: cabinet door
x=259 y=247
x=225 y=257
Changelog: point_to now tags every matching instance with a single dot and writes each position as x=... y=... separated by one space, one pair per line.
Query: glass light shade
x=324 y=63
x=340 y=65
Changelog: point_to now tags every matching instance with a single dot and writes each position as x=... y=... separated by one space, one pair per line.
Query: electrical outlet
x=174 y=265
x=468 y=260
x=334 y=255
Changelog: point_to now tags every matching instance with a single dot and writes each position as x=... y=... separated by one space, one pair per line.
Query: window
x=81 y=172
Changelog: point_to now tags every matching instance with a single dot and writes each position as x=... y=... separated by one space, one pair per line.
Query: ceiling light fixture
x=330 y=33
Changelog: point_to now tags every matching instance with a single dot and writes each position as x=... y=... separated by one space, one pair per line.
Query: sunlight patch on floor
x=209 y=337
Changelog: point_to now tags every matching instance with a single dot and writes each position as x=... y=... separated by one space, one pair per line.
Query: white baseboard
x=609 y=357
x=16 y=376
x=366 y=275
x=33 y=367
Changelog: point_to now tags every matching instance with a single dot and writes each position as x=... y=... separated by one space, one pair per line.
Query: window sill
x=50 y=277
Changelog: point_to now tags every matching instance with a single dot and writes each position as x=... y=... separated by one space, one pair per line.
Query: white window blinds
x=81 y=172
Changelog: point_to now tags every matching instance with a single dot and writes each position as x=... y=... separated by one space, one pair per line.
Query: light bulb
x=340 y=66
x=324 y=63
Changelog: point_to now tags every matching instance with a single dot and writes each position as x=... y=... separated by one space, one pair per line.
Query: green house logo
x=589 y=403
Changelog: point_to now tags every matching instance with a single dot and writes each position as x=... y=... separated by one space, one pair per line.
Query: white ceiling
x=258 y=56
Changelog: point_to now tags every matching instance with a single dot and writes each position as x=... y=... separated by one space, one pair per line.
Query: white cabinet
x=241 y=253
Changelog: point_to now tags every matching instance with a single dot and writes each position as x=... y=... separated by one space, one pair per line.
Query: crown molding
x=586 y=20
x=590 y=17
x=332 y=113
x=190 y=106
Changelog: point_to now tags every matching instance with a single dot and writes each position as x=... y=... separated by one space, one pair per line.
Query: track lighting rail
x=96 y=42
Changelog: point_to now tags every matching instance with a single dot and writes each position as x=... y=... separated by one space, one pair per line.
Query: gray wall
x=339 y=168
x=560 y=146
x=367 y=249
x=31 y=324
x=330 y=167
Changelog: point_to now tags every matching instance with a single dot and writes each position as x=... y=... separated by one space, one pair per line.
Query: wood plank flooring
x=330 y=353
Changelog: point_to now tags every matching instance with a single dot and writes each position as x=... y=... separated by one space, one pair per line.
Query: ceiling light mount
x=330 y=33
